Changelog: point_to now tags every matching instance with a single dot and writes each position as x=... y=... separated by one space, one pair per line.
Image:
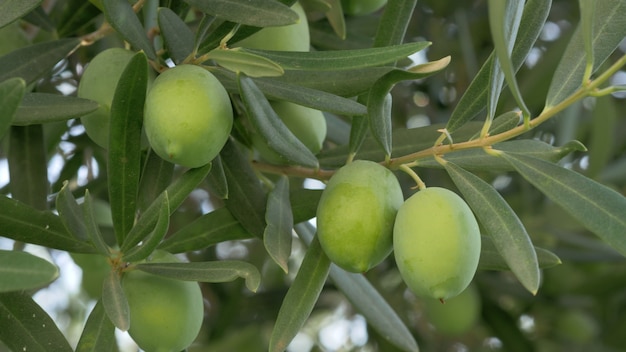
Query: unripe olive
x=356 y=213
x=436 y=240
x=457 y=315
x=98 y=83
x=361 y=7
x=188 y=116
x=165 y=314
x=293 y=37
x=308 y=125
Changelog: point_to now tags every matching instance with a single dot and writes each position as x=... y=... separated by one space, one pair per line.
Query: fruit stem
x=420 y=184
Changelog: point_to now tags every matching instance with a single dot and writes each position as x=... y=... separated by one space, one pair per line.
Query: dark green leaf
x=491 y=259
x=155 y=177
x=26 y=224
x=335 y=16
x=301 y=297
x=217 y=179
x=358 y=131
x=246 y=199
x=304 y=204
x=11 y=10
x=219 y=271
x=474 y=99
x=24 y=325
x=92 y=226
x=99 y=333
x=207 y=230
x=120 y=14
x=28 y=166
x=179 y=39
x=609 y=29
x=341 y=59
x=260 y=13
x=177 y=192
x=71 y=213
x=77 y=15
x=11 y=94
x=24 y=271
x=32 y=62
x=368 y=301
x=270 y=127
x=394 y=22
x=279 y=218
x=379 y=113
x=599 y=208
x=114 y=301
x=153 y=239
x=501 y=223
x=250 y=64
x=40 y=18
x=124 y=158
x=44 y=108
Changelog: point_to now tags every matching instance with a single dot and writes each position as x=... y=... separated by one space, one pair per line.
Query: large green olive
x=457 y=315
x=356 y=213
x=188 y=116
x=165 y=314
x=361 y=7
x=308 y=125
x=98 y=83
x=436 y=240
x=293 y=37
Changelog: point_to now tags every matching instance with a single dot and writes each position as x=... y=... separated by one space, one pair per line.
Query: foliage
x=530 y=139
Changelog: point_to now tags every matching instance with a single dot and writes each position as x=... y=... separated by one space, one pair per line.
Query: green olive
x=457 y=315
x=188 y=116
x=165 y=314
x=356 y=213
x=293 y=37
x=361 y=7
x=308 y=125
x=436 y=240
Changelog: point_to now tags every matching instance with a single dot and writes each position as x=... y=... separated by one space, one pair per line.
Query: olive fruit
x=187 y=116
x=436 y=242
x=165 y=314
x=308 y=125
x=293 y=37
x=98 y=83
x=361 y=7
x=457 y=315
x=356 y=213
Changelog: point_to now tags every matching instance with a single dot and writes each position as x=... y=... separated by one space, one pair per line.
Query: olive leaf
x=24 y=271
x=279 y=218
x=99 y=332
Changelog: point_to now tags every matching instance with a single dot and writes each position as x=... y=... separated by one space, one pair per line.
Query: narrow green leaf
x=11 y=93
x=503 y=123
x=301 y=297
x=394 y=22
x=379 y=113
x=474 y=99
x=250 y=64
x=71 y=213
x=260 y=13
x=491 y=259
x=32 y=62
x=44 y=108
x=358 y=131
x=124 y=159
x=304 y=203
x=76 y=16
x=587 y=9
x=335 y=17
x=114 y=301
x=156 y=175
x=177 y=192
x=24 y=271
x=270 y=127
x=279 y=218
x=246 y=198
x=23 y=223
x=609 y=29
x=368 y=301
x=599 y=208
x=205 y=231
x=28 y=169
x=40 y=18
x=11 y=10
x=24 y=325
x=504 y=19
x=501 y=223
x=154 y=238
x=217 y=179
x=99 y=332
x=218 y=271
x=334 y=60
x=179 y=39
x=92 y=226
x=120 y=14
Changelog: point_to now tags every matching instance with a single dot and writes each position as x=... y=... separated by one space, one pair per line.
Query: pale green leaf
x=99 y=333
x=120 y=14
x=70 y=213
x=491 y=259
x=154 y=238
x=260 y=13
x=44 y=108
x=11 y=10
x=178 y=37
x=114 y=301
x=24 y=271
x=92 y=228
x=279 y=218
x=250 y=64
